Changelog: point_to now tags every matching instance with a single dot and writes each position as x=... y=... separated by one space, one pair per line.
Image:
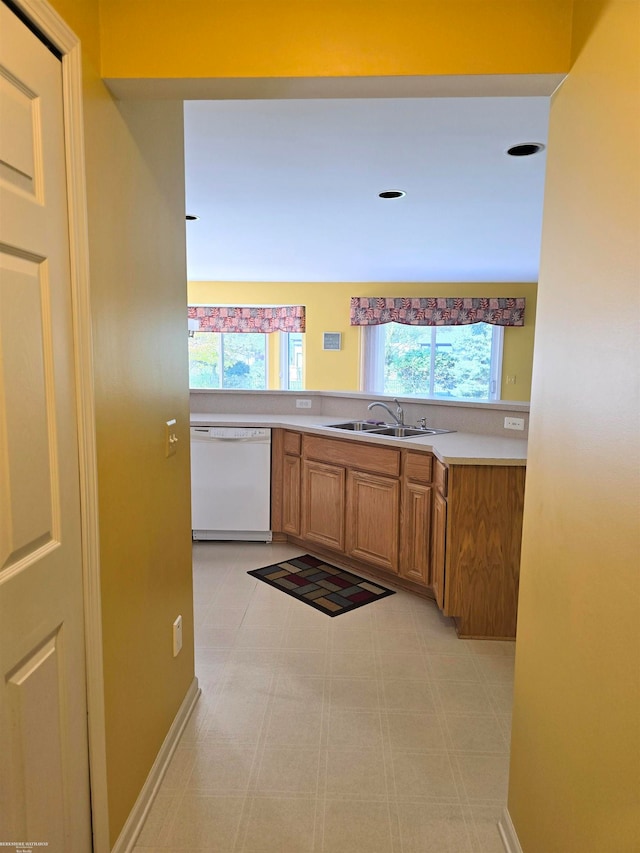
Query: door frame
x=54 y=28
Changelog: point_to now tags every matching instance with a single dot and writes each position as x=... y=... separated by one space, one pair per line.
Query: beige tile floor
x=377 y=730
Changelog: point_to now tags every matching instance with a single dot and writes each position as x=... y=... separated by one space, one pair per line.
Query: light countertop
x=455 y=448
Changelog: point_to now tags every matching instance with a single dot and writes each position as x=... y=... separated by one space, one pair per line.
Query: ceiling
x=287 y=190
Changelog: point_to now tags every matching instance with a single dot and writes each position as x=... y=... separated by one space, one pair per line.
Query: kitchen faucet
x=399 y=415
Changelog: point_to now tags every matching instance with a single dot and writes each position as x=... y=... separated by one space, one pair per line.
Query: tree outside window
x=436 y=361
x=228 y=360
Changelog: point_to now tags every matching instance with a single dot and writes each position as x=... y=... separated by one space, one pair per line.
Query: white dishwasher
x=231 y=483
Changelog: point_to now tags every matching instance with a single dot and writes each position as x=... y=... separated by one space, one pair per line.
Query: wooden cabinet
x=371 y=503
x=453 y=530
x=368 y=505
x=475 y=546
x=438 y=538
x=482 y=549
x=286 y=482
x=323 y=504
x=291 y=483
x=415 y=523
x=415 y=529
x=350 y=454
x=440 y=477
x=373 y=512
x=439 y=531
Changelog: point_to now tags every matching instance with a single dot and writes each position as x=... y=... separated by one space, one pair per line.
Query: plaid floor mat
x=321 y=585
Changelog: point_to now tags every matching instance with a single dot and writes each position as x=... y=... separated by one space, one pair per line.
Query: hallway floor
x=376 y=731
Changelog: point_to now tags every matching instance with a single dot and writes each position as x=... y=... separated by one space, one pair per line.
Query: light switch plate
x=170 y=438
x=177 y=635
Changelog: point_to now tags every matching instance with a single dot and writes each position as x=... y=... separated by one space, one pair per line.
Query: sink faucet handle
x=399 y=413
x=423 y=423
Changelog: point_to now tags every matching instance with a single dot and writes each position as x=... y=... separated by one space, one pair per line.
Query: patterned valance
x=225 y=318
x=433 y=311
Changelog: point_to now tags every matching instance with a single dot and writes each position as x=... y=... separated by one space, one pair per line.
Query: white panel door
x=44 y=778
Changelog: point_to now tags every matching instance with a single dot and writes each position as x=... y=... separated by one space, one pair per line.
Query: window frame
x=221 y=363
x=373 y=363
x=285 y=361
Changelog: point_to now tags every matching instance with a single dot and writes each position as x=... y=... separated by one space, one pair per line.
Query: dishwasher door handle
x=247 y=439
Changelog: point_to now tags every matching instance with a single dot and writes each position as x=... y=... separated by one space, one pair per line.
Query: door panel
x=323 y=500
x=37 y=741
x=416 y=533
x=44 y=782
x=373 y=510
x=28 y=440
x=292 y=468
x=19 y=150
x=438 y=546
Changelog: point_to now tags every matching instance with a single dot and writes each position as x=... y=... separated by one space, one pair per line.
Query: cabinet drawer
x=352 y=454
x=418 y=466
x=292 y=443
x=440 y=477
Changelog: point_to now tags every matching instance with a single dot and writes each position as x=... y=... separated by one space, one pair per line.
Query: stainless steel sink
x=404 y=432
x=389 y=430
x=356 y=426
x=435 y=431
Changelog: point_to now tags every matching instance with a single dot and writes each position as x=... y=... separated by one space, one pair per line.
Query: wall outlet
x=514 y=423
x=177 y=635
x=511 y=380
x=303 y=404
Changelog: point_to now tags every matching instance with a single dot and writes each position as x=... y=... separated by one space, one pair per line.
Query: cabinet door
x=291 y=470
x=323 y=503
x=438 y=540
x=415 y=533
x=373 y=516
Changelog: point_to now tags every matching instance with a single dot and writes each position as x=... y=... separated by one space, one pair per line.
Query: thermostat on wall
x=332 y=340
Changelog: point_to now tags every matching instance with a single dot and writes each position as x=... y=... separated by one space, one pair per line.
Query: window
x=463 y=362
x=228 y=360
x=291 y=361
x=229 y=345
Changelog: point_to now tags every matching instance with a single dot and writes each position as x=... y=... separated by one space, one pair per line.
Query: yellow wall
x=134 y=154
x=327 y=307
x=575 y=760
x=334 y=38
x=575 y=743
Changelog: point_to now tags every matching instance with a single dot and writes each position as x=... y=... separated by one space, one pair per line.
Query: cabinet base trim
x=508 y=833
x=279 y=537
x=465 y=632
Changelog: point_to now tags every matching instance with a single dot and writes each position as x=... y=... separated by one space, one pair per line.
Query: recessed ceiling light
x=191 y=218
x=525 y=149
x=391 y=194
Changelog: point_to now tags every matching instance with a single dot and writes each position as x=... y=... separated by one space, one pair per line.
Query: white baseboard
x=508 y=833
x=133 y=825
